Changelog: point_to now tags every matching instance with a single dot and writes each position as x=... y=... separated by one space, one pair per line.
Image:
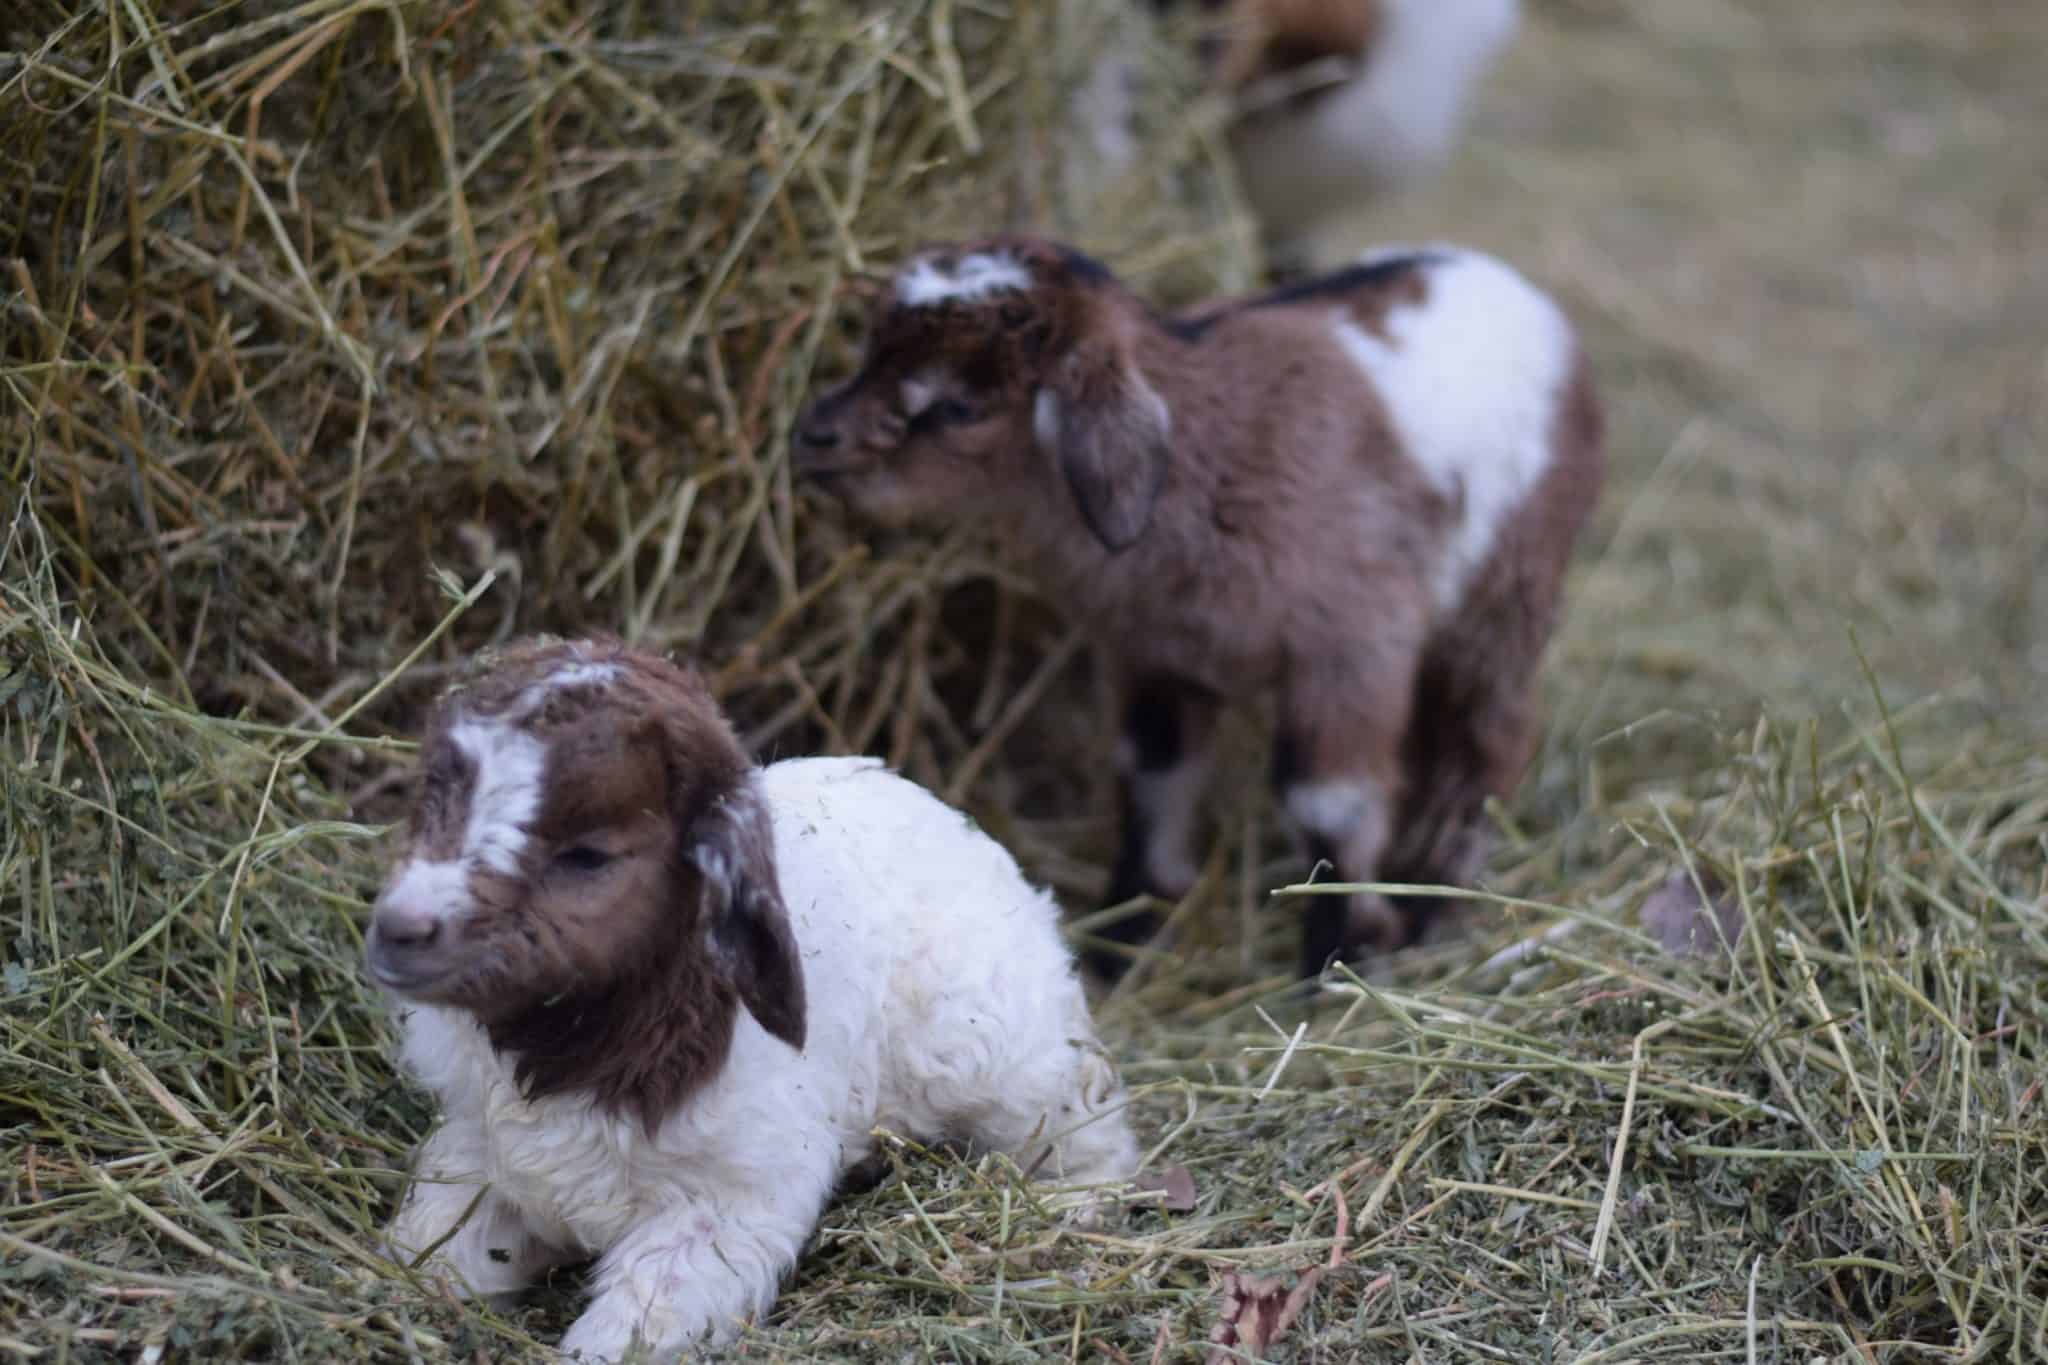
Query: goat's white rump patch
x=1472 y=377
x=922 y=283
x=505 y=793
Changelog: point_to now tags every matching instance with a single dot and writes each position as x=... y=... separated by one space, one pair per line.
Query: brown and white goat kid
x=1339 y=101
x=1361 y=490
x=665 y=998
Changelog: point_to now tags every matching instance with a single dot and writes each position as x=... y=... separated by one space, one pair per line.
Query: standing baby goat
x=1393 y=119
x=1338 y=101
x=665 y=998
x=1361 y=490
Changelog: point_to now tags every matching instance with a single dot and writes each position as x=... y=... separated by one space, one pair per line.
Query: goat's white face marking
x=504 y=796
x=1472 y=378
x=923 y=284
x=506 y=793
x=581 y=675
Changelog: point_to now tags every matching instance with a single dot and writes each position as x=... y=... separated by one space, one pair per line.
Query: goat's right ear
x=1107 y=430
x=745 y=924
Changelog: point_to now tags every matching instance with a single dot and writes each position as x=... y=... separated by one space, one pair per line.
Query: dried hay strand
x=343 y=338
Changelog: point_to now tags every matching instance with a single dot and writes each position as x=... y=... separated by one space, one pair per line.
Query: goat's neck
x=1052 y=538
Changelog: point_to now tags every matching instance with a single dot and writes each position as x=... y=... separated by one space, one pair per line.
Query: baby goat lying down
x=664 y=997
x=1361 y=490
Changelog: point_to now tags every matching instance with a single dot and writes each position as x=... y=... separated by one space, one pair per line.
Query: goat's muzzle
x=409 y=946
x=818 y=446
x=812 y=447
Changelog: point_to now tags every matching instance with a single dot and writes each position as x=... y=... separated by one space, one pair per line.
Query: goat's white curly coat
x=942 y=1003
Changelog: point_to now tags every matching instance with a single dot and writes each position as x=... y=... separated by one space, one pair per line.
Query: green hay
x=348 y=338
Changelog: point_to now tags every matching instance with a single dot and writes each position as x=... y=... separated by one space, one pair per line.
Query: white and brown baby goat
x=1361 y=490
x=1338 y=101
x=665 y=998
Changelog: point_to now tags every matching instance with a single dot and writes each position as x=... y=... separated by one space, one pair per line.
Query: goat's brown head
x=995 y=370
x=589 y=871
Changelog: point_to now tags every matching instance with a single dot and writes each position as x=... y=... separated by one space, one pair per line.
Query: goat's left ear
x=745 y=925
x=1107 y=429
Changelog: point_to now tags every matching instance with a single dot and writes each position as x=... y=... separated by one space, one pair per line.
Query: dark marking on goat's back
x=1395 y=270
x=1085 y=268
x=1397 y=279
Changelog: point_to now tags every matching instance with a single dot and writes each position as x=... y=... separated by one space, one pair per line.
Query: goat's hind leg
x=1473 y=724
x=1337 y=768
x=1062 y=1120
x=1471 y=739
x=1043 y=1091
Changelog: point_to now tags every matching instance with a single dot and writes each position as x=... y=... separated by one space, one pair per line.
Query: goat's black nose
x=816 y=437
x=412 y=941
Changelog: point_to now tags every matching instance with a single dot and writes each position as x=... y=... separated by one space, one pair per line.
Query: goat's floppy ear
x=745 y=925
x=1107 y=429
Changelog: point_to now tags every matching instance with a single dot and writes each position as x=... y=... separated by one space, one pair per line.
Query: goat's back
x=919 y=935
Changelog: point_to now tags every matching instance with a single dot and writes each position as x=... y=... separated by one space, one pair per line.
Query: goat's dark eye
x=582 y=858
x=946 y=412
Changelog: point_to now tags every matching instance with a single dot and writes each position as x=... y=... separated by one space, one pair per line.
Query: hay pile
x=343 y=337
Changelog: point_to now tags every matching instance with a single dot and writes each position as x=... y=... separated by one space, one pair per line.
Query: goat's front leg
x=494 y=1252
x=698 y=1268
x=1163 y=760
